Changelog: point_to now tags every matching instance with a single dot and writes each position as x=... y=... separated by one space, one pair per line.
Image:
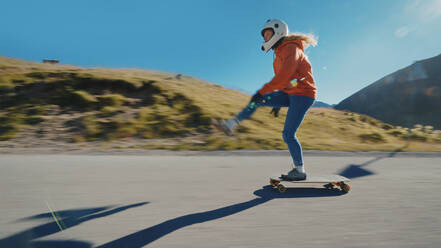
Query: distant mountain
x=319 y=104
x=406 y=97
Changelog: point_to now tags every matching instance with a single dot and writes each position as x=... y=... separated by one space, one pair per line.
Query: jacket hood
x=292 y=39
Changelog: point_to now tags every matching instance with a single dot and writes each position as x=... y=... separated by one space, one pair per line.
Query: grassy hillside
x=150 y=109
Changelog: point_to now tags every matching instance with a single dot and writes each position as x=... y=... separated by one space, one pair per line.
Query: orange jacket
x=292 y=71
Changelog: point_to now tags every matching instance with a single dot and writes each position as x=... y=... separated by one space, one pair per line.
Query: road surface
x=217 y=200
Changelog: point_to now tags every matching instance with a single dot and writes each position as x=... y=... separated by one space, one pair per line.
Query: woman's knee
x=289 y=136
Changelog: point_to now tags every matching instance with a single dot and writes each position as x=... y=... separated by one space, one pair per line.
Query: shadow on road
x=265 y=194
x=75 y=213
x=144 y=237
x=356 y=170
x=56 y=244
x=66 y=219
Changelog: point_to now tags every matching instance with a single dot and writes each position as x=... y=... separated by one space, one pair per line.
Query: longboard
x=330 y=180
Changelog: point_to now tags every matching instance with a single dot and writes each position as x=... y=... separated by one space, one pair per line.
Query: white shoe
x=294 y=175
x=226 y=126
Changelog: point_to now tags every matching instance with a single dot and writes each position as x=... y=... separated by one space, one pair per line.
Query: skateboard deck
x=330 y=181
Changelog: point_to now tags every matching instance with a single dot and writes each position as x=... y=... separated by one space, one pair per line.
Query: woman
x=292 y=86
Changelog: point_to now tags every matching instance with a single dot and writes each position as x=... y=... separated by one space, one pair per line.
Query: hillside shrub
x=83 y=99
x=363 y=118
x=112 y=100
x=387 y=126
x=10 y=124
x=396 y=133
x=428 y=129
x=108 y=111
x=36 y=110
x=6 y=87
x=34 y=119
x=91 y=127
x=372 y=137
x=416 y=136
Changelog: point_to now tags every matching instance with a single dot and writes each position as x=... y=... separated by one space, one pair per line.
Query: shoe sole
x=285 y=177
x=219 y=126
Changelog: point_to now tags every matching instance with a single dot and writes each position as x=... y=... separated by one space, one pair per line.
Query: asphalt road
x=217 y=200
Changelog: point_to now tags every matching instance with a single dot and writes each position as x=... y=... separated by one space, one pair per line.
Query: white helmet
x=280 y=29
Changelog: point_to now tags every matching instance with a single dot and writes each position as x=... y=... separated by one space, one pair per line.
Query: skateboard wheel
x=281 y=188
x=273 y=183
x=345 y=187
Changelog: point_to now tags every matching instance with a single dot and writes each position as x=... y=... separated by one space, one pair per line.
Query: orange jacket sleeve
x=289 y=58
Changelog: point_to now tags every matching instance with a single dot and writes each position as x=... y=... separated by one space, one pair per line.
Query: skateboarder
x=292 y=86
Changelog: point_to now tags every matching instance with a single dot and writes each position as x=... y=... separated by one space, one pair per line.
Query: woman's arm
x=290 y=57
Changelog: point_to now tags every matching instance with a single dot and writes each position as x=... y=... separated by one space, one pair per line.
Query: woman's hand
x=275 y=111
x=256 y=97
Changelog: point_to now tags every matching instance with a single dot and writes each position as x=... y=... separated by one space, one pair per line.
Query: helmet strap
x=277 y=44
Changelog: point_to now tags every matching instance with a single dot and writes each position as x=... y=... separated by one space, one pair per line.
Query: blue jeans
x=297 y=108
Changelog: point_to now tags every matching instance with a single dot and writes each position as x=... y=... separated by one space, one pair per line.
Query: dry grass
x=173 y=112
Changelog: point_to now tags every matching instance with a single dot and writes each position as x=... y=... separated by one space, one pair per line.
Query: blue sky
x=219 y=41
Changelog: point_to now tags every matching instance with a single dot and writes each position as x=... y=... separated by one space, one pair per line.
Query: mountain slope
x=319 y=104
x=71 y=107
x=406 y=97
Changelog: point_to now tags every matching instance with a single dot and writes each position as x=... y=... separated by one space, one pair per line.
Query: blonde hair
x=307 y=39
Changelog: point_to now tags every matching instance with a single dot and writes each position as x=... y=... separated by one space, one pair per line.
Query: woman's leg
x=298 y=106
x=274 y=99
